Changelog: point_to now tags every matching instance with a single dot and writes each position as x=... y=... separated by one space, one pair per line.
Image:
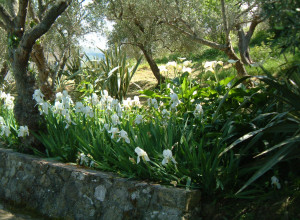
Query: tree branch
x=253 y=25
x=36 y=32
x=225 y=22
x=245 y=11
x=2 y=25
x=32 y=13
x=41 y=8
x=12 y=8
x=21 y=17
x=193 y=36
x=6 y=19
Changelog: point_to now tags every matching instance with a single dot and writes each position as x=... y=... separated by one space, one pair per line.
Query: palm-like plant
x=117 y=73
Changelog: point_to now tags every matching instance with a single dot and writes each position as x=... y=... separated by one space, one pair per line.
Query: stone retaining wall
x=68 y=192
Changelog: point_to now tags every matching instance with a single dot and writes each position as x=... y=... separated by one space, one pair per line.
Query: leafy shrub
x=162 y=60
x=260 y=37
x=211 y=54
x=260 y=53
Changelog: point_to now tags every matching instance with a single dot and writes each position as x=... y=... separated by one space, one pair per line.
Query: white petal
x=146 y=158
x=164 y=162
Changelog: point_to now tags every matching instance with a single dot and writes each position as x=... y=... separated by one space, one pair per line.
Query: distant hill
x=95 y=55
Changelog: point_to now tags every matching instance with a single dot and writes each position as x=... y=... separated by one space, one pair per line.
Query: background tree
x=3 y=59
x=212 y=23
x=138 y=24
x=50 y=55
x=284 y=20
x=13 y=16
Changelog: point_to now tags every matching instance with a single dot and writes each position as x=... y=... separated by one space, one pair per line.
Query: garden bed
x=67 y=191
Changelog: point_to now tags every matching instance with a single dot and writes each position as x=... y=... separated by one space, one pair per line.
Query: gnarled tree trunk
x=153 y=66
x=21 y=45
x=3 y=71
x=25 y=110
x=244 y=40
x=44 y=71
x=239 y=65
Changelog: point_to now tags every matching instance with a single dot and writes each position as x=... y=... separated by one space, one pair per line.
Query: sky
x=92 y=41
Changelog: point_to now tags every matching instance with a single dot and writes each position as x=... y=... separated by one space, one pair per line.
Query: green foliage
x=58 y=141
x=13 y=41
x=274 y=128
x=10 y=140
x=117 y=72
x=261 y=37
x=211 y=54
x=112 y=73
x=261 y=53
x=284 y=19
x=234 y=143
x=162 y=60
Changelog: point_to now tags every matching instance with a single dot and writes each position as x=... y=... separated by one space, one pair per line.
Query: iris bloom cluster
x=8 y=100
x=4 y=128
x=113 y=114
x=183 y=67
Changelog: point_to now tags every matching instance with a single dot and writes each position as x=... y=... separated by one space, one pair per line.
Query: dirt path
x=142 y=80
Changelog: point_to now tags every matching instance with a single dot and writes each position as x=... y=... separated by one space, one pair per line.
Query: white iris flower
x=153 y=103
x=115 y=119
x=5 y=130
x=275 y=182
x=95 y=100
x=141 y=153
x=2 y=120
x=168 y=157
x=79 y=107
x=113 y=132
x=23 y=131
x=38 y=96
x=138 y=119
x=174 y=100
x=136 y=100
x=124 y=135
x=198 y=110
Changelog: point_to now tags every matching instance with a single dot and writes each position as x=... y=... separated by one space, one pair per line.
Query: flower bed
x=68 y=192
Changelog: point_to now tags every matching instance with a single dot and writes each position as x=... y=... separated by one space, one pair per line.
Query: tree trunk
x=44 y=71
x=239 y=65
x=243 y=45
x=3 y=71
x=22 y=41
x=244 y=52
x=25 y=109
x=153 y=66
x=244 y=39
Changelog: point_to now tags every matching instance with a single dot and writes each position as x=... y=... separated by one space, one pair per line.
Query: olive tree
x=136 y=23
x=58 y=43
x=13 y=17
x=213 y=24
x=3 y=59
